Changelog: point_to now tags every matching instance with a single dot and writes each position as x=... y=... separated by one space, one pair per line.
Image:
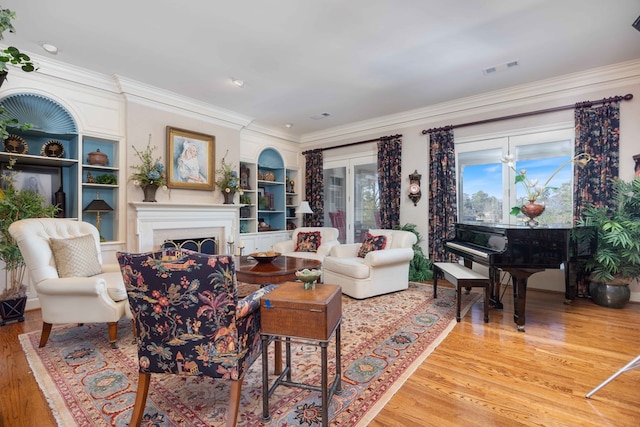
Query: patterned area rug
x=384 y=339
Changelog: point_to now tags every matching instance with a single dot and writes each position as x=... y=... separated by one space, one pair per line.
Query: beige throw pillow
x=76 y=256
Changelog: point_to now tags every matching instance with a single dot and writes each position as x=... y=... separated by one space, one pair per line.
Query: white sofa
x=379 y=272
x=95 y=299
x=328 y=236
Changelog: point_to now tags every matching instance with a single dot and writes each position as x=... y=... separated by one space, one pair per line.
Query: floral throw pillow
x=372 y=243
x=308 y=241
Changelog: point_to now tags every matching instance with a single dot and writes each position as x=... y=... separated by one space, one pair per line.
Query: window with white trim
x=486 y=186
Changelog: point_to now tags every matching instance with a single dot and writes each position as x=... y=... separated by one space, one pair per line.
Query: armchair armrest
x=73 y=286
x=251 y=302
x=388 y=256
x=325 y=248
x=111 y=268
x=345 y=251
x=284 y=247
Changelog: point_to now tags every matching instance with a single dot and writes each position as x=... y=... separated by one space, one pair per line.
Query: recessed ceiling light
x=320 y=116
x=49 y=48
x=500 y=67
x=288 y=125
x=238 y=82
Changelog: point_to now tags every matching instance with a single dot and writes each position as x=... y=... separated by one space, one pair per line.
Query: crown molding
x=136 y=91
x=604 y=77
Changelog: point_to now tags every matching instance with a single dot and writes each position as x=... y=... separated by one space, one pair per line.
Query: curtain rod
x=352 y=143
x=626 y=97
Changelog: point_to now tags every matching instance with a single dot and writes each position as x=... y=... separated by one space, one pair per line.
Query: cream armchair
x=328 y=239
x=64 y=263
x=379 y=272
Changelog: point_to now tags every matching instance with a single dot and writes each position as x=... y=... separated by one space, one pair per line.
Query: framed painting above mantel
x=190 y=159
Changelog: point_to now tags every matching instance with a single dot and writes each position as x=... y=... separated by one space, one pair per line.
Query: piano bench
x=461 y=277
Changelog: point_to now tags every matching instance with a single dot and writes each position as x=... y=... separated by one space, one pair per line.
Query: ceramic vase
x=532 y=210
x=228 y=197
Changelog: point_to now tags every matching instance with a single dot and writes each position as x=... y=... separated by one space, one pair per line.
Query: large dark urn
x=615 y=295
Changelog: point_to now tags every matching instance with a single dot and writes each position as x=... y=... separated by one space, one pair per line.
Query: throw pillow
x=76 y=256
x=308 y=241
x=372 y=243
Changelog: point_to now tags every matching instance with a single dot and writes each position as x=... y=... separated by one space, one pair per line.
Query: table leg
x=265 y=378
x=324 y=384
x=287 y=356
x=277 y=359
x=338 y=362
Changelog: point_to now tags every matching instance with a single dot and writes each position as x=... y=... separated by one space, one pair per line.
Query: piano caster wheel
x=520 y=328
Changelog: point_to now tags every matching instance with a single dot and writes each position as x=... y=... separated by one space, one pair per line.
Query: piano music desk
x=461 y=276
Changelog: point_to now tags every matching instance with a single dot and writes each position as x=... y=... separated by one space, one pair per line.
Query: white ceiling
x=354 y=59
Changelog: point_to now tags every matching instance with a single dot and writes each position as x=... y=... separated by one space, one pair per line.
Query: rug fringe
x=44 y=382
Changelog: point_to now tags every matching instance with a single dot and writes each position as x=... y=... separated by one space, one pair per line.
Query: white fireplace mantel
x=156 y=222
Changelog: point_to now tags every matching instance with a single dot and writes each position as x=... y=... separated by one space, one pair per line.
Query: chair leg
x=46 y=330
x=144 y=379
x=234 y=402
x=113 y=334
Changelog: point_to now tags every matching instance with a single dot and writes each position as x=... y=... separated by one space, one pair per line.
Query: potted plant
x=150 y=174
x=420 y=267
x=14 y=205
x=229 y=183
x=617 y=259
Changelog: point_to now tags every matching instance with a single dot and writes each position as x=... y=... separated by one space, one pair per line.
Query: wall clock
x=415 y=193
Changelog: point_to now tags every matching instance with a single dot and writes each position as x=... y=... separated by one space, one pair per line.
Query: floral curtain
x=442 y=192
x=389 y=180
x=597 y=133
x=314 y=188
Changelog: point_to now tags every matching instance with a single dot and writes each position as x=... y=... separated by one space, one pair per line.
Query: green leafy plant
x=11 y=55
x=14 y=205
x=618 y=235
x=228 y=180
x=420 y=267
x=106 y=179
x=151 y=171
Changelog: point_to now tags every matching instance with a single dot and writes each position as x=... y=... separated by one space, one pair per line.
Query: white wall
x=590 y=85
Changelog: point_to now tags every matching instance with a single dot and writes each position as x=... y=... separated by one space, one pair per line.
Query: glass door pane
x=366 y=200
x=335 y=200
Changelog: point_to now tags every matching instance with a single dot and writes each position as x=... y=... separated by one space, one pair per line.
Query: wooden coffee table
x=281 y=269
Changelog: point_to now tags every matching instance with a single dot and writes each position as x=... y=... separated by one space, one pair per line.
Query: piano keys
x=521 y=251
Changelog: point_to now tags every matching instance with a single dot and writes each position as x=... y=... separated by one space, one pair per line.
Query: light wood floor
x=481 y=375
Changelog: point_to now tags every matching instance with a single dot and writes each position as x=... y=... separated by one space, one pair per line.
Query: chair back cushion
x=308 y=241
x=184 y=306
x=327 y=234
x=76 y=256
x=396 y=238
x=33 y=236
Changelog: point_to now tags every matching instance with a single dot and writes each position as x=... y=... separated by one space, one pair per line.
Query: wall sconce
x=96 y=206
x=415 y=193
x=304 y=209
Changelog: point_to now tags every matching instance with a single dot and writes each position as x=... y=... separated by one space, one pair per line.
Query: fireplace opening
x=205 y=245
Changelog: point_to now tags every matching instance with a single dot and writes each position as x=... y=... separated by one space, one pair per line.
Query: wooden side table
x=292 y=314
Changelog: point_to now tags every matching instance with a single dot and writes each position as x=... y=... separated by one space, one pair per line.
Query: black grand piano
x=522 y=251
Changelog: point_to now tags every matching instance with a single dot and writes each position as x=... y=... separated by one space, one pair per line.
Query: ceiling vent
x=500 y=67
x=320 y=116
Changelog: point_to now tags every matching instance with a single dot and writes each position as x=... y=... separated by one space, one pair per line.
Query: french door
x=351 y=199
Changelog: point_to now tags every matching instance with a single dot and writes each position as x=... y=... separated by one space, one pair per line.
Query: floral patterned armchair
x=189 y=321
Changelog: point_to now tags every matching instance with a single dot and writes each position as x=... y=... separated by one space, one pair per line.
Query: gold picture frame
x=190 y=159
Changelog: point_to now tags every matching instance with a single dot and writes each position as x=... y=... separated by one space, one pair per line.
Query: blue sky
x=488 y=178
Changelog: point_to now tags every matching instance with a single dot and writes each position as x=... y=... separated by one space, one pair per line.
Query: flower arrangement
x=531 y=186
x=229 y=181
x=151 y=171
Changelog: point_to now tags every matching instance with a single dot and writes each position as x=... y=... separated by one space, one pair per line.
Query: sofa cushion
x=349 y=267
x=76 y=256
x=115 y=286
x=372 y=243
x=308 y=241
